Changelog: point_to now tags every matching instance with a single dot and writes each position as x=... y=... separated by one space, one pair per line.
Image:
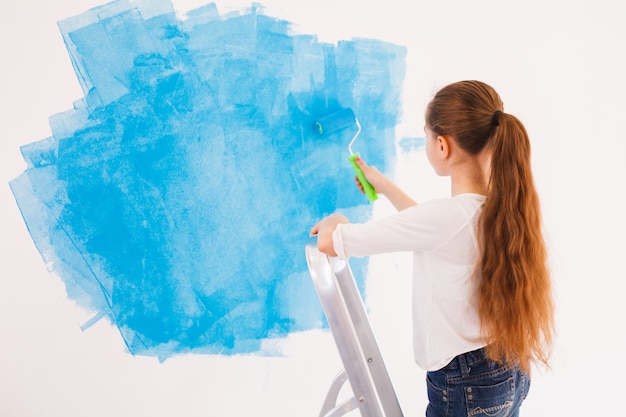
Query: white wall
x=558 y=65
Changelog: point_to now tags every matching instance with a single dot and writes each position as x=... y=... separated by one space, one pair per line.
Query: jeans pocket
x=490 y=400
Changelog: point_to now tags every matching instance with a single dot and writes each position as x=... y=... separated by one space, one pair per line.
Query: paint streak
x=412 y=144
x=175 y=198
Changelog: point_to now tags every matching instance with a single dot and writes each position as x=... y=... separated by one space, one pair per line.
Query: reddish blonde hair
x=515 y=303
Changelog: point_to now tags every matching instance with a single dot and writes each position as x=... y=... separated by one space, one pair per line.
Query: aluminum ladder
x=363 y=365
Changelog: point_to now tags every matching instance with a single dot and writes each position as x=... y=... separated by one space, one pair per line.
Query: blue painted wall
x=176 y=197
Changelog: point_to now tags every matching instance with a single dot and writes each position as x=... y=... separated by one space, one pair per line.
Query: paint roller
x=338 y=121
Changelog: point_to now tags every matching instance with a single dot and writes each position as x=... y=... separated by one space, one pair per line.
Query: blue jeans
x=473 y=385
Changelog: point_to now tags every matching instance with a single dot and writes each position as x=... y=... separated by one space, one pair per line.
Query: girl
x=482 y=304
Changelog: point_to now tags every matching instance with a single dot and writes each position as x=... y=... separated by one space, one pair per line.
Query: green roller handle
x=370 y=193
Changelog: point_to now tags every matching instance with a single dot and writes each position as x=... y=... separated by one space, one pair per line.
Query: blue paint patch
x=176 y=197
x=408 y=145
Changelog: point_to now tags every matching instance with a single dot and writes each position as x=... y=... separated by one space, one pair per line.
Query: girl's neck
x=470 y=176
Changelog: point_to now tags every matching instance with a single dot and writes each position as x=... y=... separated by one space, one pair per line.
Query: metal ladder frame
x=364 y=369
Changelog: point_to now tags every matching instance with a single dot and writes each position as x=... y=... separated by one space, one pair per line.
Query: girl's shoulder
x=459 y=208
x=469 y=200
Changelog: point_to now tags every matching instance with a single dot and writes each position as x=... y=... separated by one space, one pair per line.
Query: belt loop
x=463 y=364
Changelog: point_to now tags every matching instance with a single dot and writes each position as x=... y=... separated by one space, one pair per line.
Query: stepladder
x=371 y=390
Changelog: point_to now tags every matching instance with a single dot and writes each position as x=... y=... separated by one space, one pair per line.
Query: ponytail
x=514 y=294
x=513 y=282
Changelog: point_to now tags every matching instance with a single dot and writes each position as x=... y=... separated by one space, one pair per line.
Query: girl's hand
x=384 y=185
x=324 y=232
x=373 y=175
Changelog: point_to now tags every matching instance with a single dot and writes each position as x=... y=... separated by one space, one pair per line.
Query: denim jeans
x=474 y=386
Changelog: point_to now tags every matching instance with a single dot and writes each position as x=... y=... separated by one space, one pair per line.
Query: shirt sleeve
x=417 y=229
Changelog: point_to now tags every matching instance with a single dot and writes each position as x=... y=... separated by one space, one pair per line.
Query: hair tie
x=495 y=120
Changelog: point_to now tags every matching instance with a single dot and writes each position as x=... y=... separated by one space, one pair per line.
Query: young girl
x=482 y=303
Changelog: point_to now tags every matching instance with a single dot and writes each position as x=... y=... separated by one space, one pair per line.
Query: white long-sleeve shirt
x=442 y=236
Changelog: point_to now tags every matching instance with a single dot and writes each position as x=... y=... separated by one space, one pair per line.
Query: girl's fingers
x=358 y=184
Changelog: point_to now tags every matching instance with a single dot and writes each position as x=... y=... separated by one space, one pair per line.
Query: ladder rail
x=353 y=335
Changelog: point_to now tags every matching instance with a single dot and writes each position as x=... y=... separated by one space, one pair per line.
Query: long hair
x=514 y=293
